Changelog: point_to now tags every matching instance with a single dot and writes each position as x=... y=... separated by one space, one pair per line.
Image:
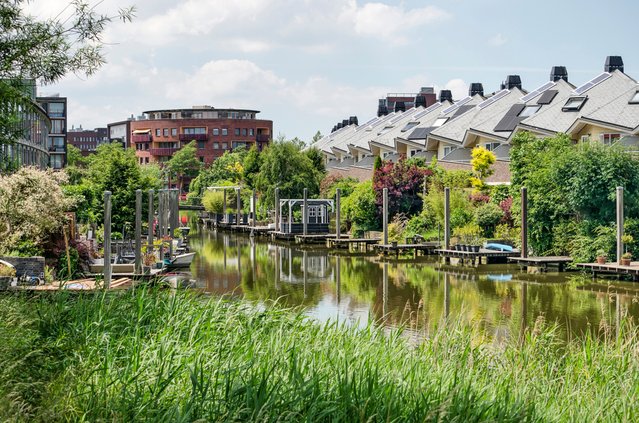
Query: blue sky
x=307 y=64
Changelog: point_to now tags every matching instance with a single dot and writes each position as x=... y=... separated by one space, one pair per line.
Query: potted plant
x=625 y=259
x=601 y=256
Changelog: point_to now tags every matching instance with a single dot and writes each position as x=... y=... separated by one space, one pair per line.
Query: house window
x=439 y=122
x=173 y=131
x=225 y=131
x=201 y=144
x=448 y=150
x=529 y=110
x=634 y=99
x=585 y=138
x=491 y=146
x=237 y=132
x=216 y=131
x=609 y=139
x=574 y=104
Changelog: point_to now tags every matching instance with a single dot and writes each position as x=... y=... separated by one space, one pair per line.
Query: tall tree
x=184 y=163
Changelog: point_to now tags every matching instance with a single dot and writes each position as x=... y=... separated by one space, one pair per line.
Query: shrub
x=213 y=201
x=487 y=217
x=63 y=265
x=469 y=233
x=7 y=270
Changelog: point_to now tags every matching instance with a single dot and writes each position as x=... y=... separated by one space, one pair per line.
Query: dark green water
x=497 y=300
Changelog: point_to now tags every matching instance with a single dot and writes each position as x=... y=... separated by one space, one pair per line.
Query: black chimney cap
x=512 y=81
x=400 y=106
x=353 y=120
x=613 y=63
x=334 y=128
x=476 y=88
x=382 y=108
x=445 y=95
x=339 y=125
x=344 y=123
x=557 y=73
x=420 y=101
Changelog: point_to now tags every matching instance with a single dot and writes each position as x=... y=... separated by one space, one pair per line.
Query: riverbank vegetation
x=159 y=356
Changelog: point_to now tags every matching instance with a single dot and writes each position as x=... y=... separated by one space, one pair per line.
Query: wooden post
x=305 y=212
x=254 y=207
x=524 y=222
x=446 y=218
x=138 y=231
x=239 y=206
x=385 y=288
x=338 y=231
x=174 y=201
x=107 y=239
x=277 y=210
x=224 y=217
x=290 y=217
x=338 y=278
x=385 y=215
x=619 y=224
x=446 y=295
x=149 y=236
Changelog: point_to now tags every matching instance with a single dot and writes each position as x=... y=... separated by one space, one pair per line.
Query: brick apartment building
x=87 y=140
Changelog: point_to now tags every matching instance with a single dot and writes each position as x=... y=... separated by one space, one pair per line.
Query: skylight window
x=439 y=122
x=385 y=130
x=529 y=110
x=634 y=99
x=409 y=126
x=574 y=103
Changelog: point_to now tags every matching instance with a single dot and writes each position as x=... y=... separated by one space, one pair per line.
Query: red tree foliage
x=404 y=182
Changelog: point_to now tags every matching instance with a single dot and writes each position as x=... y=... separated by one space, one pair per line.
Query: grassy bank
x=161 y=357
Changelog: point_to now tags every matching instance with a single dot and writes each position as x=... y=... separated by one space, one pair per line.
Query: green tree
x=184 y=163
x=317 y=158
x=74 y=156
x=318 y=136
x=360 y=208
x=252 y=163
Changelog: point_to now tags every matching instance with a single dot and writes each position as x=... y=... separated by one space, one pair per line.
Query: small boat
x=180 y=261
x=498 y=247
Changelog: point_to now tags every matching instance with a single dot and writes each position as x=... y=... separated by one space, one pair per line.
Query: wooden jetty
x=426 y=248
x=491 y=256
x=357 y=243
x=612 y=268
x=542 y=263
x=313 y=238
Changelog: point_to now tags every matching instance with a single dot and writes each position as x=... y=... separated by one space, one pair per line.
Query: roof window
x=634 y=99
x=574 y=103
x=439 y=122
x=529 y=110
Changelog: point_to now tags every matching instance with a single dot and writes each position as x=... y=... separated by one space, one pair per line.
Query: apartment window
x=251 y=132
x=244 y=132
x=216 y=145
x=529 y=110
x=166 y=132
x=440 y=122
x=201 y=144
x=635 y=98
x=491 y=146
x=202 y=159
x=224 y=146
x=57 y=126
x=574 y=104
x=56 y=161
x=146 y=160
x=56 y=109
x=225 y=131
x=193 y=131
x=158 y=132
x=216 y=131
x=173 y=132
x=237 y=132
x=609 y=139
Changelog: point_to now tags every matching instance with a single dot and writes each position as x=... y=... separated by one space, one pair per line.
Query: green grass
x=162 y=356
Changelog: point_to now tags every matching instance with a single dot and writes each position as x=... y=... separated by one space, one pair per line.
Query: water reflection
x=497 y=300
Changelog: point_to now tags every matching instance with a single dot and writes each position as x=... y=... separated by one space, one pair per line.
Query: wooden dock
x=313 y=238
x=612 y=268
x=542 y=263
x=491 y=256
x=357 y=243
x=426 y=248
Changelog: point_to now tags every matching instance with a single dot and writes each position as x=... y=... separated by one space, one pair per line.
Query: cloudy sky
x=307 y=64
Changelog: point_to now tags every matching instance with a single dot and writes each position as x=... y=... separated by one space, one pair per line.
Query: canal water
x=496 y=300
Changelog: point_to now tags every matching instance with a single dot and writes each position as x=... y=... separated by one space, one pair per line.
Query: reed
x=176 y=356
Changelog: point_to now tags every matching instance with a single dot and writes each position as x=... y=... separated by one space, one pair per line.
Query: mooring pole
x=174 y=220
x=619 y=224
x=107 y=239
x=138 y=231
x=385 y=214
x=446 y=218
x=149 y=236
x=338 y=230
x=446 y=295
x=254 y=207
x=224 y=216
x=305 y=212
x=338 y=278
x=239 y=206
x=385 y=289
x=524 y=222
x=277 y=209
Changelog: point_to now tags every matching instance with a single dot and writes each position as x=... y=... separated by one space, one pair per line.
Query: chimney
x=334 y=128
x=557 y=73
x=339 y=125
x=476 y=88
x=382 y=108
x=512 y=81
x=344 y=123
x=613 y=63
x=420 y=100
x=445 y=95
x=353 y=120
x=400 y=106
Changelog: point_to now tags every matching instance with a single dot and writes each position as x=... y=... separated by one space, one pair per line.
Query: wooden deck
x=313 y=238
x=358 y=243
x=426 y=248
x=612 y=268
x=543 y=263
x=491 y=256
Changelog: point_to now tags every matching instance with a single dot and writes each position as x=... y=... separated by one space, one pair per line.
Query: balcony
x=162 y=151
x=141 y=138
x=194 y=137
x=262 y=137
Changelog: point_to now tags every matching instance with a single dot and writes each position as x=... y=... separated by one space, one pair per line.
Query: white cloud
x=458 y=88
x=498 y=40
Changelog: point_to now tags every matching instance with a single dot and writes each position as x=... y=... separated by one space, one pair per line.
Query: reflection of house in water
x=295 y=266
